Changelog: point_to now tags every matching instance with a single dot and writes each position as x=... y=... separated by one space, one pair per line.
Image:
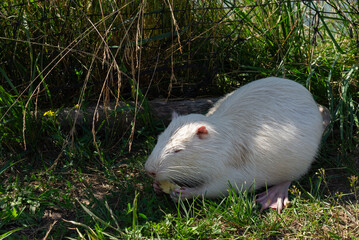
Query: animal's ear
x=174 y=115
x=202 y=132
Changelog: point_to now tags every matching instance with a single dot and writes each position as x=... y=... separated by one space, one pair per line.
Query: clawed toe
x=183 y=193
x=179 y=193
x=157 y=188
x=275 y=197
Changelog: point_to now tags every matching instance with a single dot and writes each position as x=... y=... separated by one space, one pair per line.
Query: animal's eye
x=177 y=150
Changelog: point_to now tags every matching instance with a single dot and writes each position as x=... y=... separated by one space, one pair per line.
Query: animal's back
x=274 y=127
x=261 y=94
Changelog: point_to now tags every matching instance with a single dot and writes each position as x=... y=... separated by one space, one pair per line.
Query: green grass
x=119 y=203
x=133 y=211
x=86 y=181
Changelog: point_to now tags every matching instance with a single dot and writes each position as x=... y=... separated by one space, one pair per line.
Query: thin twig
x=49 y=230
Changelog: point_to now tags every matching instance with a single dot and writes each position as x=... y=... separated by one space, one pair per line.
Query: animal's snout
x=151 y=169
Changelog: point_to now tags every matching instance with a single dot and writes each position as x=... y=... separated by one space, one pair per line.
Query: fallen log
x=160 y=109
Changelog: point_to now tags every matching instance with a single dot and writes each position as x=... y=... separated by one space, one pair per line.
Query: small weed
x=354 y=185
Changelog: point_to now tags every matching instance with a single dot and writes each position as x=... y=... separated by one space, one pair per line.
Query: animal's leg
x=185 y=193
x=275 y=197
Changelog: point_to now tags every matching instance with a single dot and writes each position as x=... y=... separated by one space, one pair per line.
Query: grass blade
x=5 y=235
x=8 y=80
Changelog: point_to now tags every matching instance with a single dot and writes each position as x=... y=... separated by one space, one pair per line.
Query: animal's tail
x=325 y=115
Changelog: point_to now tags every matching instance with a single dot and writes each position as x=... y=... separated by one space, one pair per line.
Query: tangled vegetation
x=82 y=177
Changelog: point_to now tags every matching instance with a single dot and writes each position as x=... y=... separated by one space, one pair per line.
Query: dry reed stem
x=60 y=57
x=138 y=52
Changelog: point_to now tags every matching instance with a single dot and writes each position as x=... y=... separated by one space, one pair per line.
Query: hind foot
x=275 y=197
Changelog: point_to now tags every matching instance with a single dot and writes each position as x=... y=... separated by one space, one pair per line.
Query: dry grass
x=83 y=182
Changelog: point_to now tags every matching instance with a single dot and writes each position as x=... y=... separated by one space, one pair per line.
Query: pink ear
x=202 y=132
x=174 y=115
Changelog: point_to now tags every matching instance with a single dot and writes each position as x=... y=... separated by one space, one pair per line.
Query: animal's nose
x=152 y=174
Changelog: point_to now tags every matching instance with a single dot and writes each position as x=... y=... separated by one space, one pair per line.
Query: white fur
x=265 y=132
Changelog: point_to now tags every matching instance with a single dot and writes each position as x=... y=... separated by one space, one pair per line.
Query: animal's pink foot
x=183 y=193
x=157 y=188
x=275 y=197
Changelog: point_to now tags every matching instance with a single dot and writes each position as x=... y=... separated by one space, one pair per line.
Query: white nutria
x=266 y=133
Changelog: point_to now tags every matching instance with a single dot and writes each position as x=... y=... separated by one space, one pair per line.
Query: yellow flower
x=77 y=106
x=49 y=113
